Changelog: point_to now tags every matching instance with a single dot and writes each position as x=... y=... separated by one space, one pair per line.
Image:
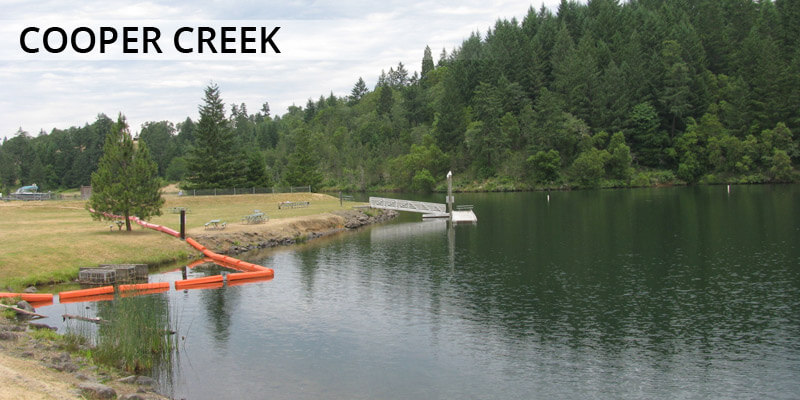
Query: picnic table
x=256 y=217
x=215 y=224
x=119 y=223
x=293 y=204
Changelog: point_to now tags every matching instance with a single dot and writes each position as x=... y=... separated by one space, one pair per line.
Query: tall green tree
x=126 y=181
x=303 y=166
x=217 y=159
x=160 y=138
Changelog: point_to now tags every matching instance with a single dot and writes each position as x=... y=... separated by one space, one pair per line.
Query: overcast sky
x=325 y=47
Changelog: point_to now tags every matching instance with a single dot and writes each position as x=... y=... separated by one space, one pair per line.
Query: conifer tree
x=303 y=165
x=216 y=160
x=126 y=181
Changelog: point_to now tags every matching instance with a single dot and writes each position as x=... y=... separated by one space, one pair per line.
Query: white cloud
x=327 y=45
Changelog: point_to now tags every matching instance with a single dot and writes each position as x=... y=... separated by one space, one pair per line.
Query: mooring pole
x=450 y=193
x=183 y=224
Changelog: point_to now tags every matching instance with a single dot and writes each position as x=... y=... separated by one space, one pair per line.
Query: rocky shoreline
x=33 y=364
x=288 y=231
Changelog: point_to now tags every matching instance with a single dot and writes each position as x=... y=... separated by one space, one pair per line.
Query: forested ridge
x=600 y=94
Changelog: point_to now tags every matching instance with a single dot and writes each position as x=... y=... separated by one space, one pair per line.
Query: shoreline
x=36 y=365
x=238 y=239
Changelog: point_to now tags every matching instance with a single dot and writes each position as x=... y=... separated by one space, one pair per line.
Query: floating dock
x=464 y=216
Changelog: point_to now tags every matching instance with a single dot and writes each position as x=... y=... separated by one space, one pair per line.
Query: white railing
x=407 y=205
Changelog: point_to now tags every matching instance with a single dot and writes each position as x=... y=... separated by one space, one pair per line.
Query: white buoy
x=548 y=198
x=729 y=189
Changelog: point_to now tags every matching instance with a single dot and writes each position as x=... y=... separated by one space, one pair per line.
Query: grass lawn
x=48 y=241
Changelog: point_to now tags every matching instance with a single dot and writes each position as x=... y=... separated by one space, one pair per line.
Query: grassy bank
x=42 y=242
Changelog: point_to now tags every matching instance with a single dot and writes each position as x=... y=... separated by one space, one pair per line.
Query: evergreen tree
x=159 y=137
x=427 y=65
x=216 y=161
x=302 y=168
x=126 y=181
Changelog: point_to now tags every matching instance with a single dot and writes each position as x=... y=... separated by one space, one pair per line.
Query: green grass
x=47 y=242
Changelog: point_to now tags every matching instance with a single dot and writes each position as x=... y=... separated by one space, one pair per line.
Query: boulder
x=24 y=305
x=132 y=396
x=128 y=379
x=94 y=390
x=145 y=381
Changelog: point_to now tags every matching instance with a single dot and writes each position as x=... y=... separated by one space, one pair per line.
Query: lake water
x=647 y=293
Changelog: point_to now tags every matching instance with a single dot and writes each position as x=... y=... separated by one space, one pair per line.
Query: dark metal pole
x=183 y=224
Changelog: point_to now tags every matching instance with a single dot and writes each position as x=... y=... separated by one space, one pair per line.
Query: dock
x=463 y=214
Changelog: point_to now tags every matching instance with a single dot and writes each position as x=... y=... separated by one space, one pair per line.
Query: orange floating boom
x=198 y=281
x=29 y=297
x=250 y=275
x=86 y=292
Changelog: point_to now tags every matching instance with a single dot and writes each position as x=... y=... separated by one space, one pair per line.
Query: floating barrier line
x=248 y=272
x=29 y=297
x=86 y=292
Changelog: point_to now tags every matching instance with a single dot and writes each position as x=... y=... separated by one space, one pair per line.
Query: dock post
x=450 y=193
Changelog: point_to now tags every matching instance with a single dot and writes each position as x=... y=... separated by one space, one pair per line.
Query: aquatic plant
x=138 y=336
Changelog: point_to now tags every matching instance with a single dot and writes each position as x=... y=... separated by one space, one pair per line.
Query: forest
x=602 y=94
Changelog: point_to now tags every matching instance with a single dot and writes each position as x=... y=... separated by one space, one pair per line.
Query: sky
x=325 y=46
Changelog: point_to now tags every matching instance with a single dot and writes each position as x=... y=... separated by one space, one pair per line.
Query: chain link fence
x=235 y=191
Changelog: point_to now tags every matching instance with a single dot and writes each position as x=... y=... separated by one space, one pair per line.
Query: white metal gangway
x=429 y=209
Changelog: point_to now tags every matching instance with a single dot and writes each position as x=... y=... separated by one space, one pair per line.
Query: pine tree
x=359 y=90
x=303 y=166
x=126 y=181
x=427 y=63
x=216 y=160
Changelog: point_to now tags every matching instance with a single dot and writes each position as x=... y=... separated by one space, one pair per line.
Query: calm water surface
x=648 y=293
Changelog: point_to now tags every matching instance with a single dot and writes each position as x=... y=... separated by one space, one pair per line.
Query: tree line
x=599 y=94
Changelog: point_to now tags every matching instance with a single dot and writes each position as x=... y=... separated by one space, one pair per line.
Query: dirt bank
x=37 y=366
x=239 y=237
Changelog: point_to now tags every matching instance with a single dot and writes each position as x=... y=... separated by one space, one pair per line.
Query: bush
x=546 y=166
x=588 y=168
x=423 y=181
